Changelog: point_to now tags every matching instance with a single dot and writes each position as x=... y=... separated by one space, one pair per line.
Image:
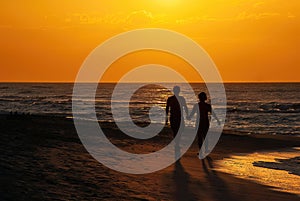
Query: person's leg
x=200 y=144
x=179 y=133
x=205 y=140
x=175 y=126
x=201 y=136
x=177 y=137
x=200 y=140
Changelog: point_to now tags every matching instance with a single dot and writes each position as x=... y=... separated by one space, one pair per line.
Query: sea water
x=267 y=108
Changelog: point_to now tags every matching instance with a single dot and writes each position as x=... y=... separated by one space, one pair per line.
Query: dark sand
x=43 y=159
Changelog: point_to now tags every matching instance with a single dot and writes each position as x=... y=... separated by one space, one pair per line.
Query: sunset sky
x=249 y=40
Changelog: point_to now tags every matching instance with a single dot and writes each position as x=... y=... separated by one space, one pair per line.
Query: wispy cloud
x=140 y=17
x=258 y=4
x=291 y=15
x=196 y=19
x=144 y=18
x=255 y=16
x=134 y=19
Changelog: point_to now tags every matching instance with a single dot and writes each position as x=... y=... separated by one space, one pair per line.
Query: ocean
x=266 y=108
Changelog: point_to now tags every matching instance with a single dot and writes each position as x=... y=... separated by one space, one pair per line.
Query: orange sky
x=249 y=40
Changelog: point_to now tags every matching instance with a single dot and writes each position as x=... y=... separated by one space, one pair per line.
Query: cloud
x=197 y=19
x=139 y=18
x=84 y=18
x=134 y=19
x=256 y=16
x=258 y=4
x=291 y=15
x=143 y=19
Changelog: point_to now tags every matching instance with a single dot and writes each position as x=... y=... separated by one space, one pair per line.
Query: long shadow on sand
x=181 y=178
x=221 y=190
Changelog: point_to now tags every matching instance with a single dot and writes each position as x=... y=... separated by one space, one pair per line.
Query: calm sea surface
x=252 y=108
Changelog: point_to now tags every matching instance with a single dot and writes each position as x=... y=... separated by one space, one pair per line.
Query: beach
x=150 y=100
x=42 y=158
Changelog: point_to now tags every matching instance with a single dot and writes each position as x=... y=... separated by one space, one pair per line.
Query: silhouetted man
x=176 y=104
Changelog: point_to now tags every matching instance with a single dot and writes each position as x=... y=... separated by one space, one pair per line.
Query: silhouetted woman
x=202 y=117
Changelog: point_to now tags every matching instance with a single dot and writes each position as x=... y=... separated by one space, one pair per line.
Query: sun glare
x=58 y=35
x=169 y=2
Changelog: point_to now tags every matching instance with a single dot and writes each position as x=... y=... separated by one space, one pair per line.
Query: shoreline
x=7 y=115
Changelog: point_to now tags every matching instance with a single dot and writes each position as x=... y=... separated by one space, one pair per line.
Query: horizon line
x=113 y=82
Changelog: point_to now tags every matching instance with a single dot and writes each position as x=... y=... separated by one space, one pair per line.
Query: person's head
x=202 y=96
x=176 y=90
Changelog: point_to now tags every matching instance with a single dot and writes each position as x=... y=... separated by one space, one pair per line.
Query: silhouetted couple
x=176 y=104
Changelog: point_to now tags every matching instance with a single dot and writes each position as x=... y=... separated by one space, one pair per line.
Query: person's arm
x=167 y=111
x=185 y=108
x=214 y=115
x=193 y=112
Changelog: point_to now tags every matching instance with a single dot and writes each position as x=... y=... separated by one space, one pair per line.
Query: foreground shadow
x=181 y=178
x=220 y=190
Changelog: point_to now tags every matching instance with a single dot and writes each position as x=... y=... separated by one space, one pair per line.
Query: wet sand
x=42 y=158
